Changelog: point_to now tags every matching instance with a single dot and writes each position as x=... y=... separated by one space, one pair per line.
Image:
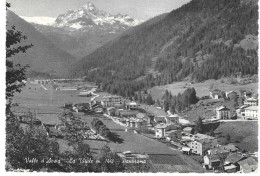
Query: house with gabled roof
x=215 y=94
x=233 y=159
x=248 y=165
x=223 y=112
x=212 y=162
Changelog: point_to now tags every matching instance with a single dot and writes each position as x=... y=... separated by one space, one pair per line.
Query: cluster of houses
x=219 y=157
x=228 y=159
x=249 y=110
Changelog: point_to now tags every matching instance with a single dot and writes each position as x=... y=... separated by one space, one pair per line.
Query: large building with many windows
x=112 y=101
x=251 y=112
x=251 y=101
x=201 y=143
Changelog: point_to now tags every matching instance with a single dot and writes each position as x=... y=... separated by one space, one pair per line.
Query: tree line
x=180 y=102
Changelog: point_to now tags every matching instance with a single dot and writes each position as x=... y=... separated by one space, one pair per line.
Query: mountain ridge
x=44 y=57
x=186 y=44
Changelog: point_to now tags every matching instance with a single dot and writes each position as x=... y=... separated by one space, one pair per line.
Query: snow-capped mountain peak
x=89 y=6
x=90 y=16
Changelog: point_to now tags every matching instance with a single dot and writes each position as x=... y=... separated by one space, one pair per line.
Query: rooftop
x=234 y=158
x=200 y=136
x=128 y=112
x=251 y=99
x=248 y=165
x=173 y=115
x=229 y=167
x=230 y=147
x=222 y=108
x=132 y=103
x=141 y=115
x=218 y=150
x=249 y=161
x=161 y=125
x=213 y=157
x=159 y=118
x=252 y=108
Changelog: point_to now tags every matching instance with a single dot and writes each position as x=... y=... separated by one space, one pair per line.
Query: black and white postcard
x=131 y=86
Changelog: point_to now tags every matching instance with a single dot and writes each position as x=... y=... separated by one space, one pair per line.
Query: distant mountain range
x=82 y=31
x=44 y=58
x=203 y=39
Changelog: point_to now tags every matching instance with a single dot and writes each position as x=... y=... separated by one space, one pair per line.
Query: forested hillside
x=203 y=39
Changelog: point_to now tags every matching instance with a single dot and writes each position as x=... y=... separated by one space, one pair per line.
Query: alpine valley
x=203 y=39
x=81 y=31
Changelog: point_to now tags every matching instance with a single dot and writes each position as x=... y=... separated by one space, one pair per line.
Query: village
x=171 y=130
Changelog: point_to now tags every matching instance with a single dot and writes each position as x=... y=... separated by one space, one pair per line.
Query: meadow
x=202 y=89
x=242 y=134
x=47 y=105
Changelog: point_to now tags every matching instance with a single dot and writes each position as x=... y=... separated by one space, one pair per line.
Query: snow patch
x=48 y=21
x=76 y=26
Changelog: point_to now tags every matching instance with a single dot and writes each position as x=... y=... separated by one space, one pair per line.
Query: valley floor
x=47 y=105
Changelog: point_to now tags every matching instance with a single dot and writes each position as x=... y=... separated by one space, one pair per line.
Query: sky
x=139 y=9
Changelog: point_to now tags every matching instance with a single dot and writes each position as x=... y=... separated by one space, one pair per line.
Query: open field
x=202 y=89
x=46 y=103
x=129 y=141
x=242 y=134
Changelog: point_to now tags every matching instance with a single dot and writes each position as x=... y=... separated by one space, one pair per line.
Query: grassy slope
x=243 y=134
x=202 y=88
x=48 y=112
x=46 y=103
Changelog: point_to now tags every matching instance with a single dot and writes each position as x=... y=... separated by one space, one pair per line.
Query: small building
x=85 y=94
x=220 y=151
x=230 y=168
x=241 y=110
x=201 y=143
x=251 y=101
x=248 y=165
x=98 y=110
x=186 y=150
x=131 y=106
x=132 y=124
x=128 y=122
x=233 y=159
x=138 y=123
x=174 y=118
x=187 y=130
x=230 y=148
x=223 y=112
x=248 y=94
x=251 y=112
x=150 y=119
x=216 y=94
x=160 y=130
x=231 y=94
x=111 y=111
x=159 y=119
x=212 y=162
x=68 y=105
